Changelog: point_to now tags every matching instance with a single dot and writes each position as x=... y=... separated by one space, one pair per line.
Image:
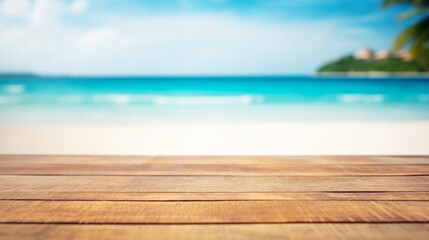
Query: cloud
x=95 y=37
x=209 y=43
x=78 y=6
x=15 y=8
x=46 y=12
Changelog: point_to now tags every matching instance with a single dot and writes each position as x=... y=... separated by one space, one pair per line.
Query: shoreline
x=265 y=138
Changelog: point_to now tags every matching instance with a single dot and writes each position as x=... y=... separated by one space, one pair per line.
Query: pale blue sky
x=187 y=37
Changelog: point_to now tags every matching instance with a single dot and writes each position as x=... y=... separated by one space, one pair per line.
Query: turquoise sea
x=135 y=100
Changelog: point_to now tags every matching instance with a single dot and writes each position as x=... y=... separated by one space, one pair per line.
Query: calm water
x=59 y=100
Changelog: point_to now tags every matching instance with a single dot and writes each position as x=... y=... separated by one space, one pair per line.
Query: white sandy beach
x=288 y=138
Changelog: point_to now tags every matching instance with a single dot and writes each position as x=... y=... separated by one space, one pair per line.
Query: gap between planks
x=288 y=196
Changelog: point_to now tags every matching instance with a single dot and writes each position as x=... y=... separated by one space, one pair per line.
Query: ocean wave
x=125 y=99
x=13 y=88
x=112 y=98
x=205 y=100
x=361 y=98
x=177 y=100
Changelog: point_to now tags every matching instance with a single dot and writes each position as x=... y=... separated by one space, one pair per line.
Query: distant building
x=367 y=53
x=382 y=54
x=364 y=54
x=404 y=55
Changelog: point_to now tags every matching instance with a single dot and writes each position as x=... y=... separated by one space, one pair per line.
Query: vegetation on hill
x=350 y=64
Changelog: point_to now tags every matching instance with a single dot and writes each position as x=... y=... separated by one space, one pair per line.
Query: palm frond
x=412 y=33
x=419 y=44
x=417 y=35
x=406 y=36
x=412 y=12
x=389 y=3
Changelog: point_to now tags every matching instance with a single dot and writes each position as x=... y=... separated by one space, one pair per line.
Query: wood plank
x=215 y=232
x=291 y=159
x=142 y=169
x=287 y=196
x=210 y=184
x=213 y=212
x=221 y=159
x=73 y=158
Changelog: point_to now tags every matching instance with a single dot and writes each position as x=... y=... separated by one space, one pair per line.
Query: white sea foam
x=177 y=100
x=112 y=98
x=13 y=88
x=361 y=98
x=204 y=100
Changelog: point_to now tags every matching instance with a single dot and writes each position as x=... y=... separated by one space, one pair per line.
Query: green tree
x=416 y=35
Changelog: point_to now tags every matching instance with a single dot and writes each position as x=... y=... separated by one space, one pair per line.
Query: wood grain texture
x=297 y=197
x=231 y=196
x=210 y=184
x=291 y=160
x=74 y=158
x=141 y=169
x=213 y=212
x=215 y=232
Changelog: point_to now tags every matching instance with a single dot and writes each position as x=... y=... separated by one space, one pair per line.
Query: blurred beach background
x=210 y=77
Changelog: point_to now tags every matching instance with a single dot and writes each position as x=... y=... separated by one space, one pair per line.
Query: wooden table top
x=117 y=197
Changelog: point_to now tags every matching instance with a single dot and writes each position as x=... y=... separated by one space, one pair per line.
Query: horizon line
x=315 y=74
